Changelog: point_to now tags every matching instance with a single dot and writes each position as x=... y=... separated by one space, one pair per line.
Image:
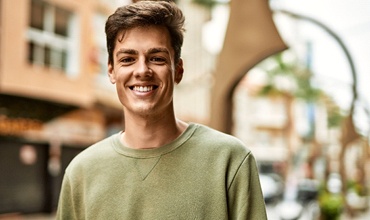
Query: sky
x=350 y=21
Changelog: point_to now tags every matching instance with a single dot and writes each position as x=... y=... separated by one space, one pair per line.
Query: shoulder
x=92 y=155
x=223 y=151
x=219 y=143
x=218 y=138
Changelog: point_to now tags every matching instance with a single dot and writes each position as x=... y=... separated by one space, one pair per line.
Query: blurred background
x=289 y=78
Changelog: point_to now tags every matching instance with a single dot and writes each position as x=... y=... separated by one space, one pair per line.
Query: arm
x=245 y=199
x=66 y=209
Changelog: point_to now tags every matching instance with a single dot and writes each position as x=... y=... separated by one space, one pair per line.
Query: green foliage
x=331 y=205
x=356 y=187
x=268 y=90
x=297 y=73
x=335 y=117
x=301 y=85
x=304 y=88
x=206 y=3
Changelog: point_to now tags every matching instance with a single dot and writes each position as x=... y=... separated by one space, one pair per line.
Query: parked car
x=289 y=210
x=272 y=187
x=308 y=190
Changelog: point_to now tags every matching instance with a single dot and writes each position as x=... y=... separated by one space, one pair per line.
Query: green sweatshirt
x=203 y=174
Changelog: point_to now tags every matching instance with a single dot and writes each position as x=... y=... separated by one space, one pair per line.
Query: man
x=159 y=167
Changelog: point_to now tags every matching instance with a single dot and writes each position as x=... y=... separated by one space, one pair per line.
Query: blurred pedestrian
x=159 y=167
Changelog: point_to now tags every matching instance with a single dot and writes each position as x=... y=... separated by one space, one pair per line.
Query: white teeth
x=143 y=88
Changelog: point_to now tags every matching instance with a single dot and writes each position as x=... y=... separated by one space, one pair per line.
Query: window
x=102 y=53
x=1 y=2
x=52 y=37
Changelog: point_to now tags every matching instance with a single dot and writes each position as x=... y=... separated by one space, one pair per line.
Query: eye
x=127 y=60
x=158 y=60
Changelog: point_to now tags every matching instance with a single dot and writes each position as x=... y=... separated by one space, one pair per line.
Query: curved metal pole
x=341 y=44
x=350 y=122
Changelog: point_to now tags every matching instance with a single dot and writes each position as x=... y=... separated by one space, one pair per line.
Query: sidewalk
x=37 y=216
x=44 y=216
x=360 y=216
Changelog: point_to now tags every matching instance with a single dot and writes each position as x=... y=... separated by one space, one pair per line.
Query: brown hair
x=146 y=13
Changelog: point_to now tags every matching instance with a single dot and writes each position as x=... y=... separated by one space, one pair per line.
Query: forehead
x=140 y=38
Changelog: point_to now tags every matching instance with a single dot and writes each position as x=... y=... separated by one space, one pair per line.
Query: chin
x=143 y=110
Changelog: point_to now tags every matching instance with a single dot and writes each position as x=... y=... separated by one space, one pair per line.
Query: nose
x=142 y=69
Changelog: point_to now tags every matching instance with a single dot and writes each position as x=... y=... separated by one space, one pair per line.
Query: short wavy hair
x=144 y=13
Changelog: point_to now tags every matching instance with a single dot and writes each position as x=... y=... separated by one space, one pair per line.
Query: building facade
x=55 y=96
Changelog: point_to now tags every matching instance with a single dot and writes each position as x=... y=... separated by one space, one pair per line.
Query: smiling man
x=159 y=167
x=144 y=68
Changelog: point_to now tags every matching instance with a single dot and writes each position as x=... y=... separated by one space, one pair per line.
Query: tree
x=290 y=79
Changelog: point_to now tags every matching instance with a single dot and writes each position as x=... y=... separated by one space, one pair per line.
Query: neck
x=154 y=132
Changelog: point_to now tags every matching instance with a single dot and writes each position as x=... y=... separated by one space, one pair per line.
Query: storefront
x=37 y=142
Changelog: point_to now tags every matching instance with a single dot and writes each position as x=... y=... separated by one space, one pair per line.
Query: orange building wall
x=18 y=77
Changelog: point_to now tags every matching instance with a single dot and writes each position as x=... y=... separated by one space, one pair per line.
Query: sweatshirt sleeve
x=66 y=209
x=245 y=199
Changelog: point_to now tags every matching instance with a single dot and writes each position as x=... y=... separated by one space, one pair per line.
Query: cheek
x=120 y=84
x=121 y=81
x=120 y=76
x=120 y=89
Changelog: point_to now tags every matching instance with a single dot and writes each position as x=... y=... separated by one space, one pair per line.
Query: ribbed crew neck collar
x=155 y=152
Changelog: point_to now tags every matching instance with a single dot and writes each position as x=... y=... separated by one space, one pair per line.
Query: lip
x=143 y=88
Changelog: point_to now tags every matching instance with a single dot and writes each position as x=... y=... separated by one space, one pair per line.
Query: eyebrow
x=150 y=51
x=158 y=50
x=127 y=51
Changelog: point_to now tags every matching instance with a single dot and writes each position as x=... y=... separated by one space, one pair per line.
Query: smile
x=143 y=88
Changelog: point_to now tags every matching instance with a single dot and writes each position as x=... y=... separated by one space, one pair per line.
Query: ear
x=111 y=74
x=179 y=71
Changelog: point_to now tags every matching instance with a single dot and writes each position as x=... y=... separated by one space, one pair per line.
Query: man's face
x=144 y=71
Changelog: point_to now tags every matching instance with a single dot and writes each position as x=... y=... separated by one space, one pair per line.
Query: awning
x=22 y=107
